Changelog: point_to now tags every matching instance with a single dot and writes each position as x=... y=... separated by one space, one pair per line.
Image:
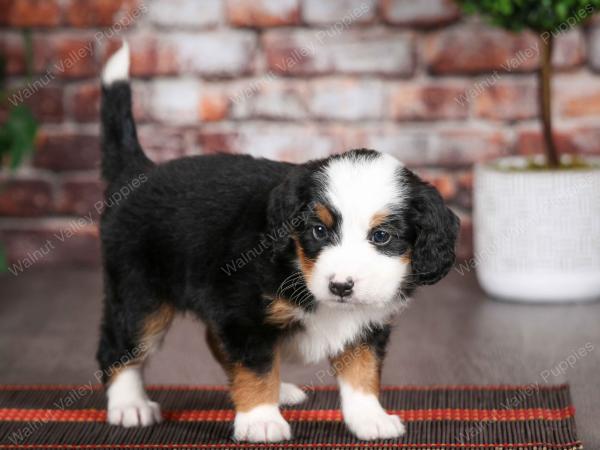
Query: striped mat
x=200 y=417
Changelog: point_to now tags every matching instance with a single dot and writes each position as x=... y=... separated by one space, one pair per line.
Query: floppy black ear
x=436 y=230
x=287 y=208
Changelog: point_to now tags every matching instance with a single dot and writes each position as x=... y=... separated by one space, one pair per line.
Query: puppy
x=281 y=261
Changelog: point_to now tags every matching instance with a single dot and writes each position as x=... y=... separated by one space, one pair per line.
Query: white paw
x=140 y=413
x=290 y=394
x=263 y=423
x=128 y=404
x=375 y=426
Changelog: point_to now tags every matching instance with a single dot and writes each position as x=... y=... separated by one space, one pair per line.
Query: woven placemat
x=440 y=417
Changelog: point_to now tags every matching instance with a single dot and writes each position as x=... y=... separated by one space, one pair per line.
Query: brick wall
x=286 y=79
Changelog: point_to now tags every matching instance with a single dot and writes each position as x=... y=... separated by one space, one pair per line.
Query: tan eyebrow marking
x=324 y=215
x=378 y=219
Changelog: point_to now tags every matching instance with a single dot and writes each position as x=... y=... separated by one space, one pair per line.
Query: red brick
x=410 y=101
x=214 y=106
x=577 y=96
x=442 y=181
x=187 y=13
x=163 y=143
x=419 y=13
x=12 y=49
x=30 y=13
x=216 y=141
x=448 y=148
x=176 y=101
x=25 y=198
x=67 y=151
x=100 y=13
x=465 y=147
x=569 y=50
x=357 y=51
x=346 y=99
x=149 y=57
x=284 y=142
x=58 y=242
x=464 y=246
x=582 y=140
x=79 y=197
x=477 y=49
x=508 y=100
x=319 y=12
x=212 y=54
x=594 y=46
x=263 y=13
x=269 y=98
x=65 y=56
x=84 y=102
x=47 y=105
x=464 y=196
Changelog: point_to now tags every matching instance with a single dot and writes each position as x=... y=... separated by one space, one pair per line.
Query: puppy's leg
x=290 y=394
x=128 y=338
x=255 y=391
x=256 y=397
x=358 y=372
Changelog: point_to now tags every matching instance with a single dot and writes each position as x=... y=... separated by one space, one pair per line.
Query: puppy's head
x=365 y=229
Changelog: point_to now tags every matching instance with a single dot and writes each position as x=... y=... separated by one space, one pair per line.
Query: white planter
x=537 y=234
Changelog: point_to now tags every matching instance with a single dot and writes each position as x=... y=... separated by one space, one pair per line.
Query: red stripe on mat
x=317 y=415
x=166 y=387
x=532 y=445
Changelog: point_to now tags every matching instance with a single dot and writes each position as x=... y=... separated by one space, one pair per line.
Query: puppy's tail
x=122 y=154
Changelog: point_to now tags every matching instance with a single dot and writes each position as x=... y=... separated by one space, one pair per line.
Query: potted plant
x=18 y=130
x=537 y=220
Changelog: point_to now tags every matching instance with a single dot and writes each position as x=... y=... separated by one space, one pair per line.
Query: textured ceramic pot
x=537 y=233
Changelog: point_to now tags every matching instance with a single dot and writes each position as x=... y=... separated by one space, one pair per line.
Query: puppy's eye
x=381 y=237
x=319 y=232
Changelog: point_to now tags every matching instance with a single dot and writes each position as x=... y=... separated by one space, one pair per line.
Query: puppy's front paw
x=263 y=423
x=137 y=413
x=290 y=394
x=379 y=425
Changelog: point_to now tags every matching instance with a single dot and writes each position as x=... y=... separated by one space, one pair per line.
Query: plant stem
x=545 y=94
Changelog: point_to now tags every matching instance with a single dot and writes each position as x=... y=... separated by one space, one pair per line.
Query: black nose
x=341 y=289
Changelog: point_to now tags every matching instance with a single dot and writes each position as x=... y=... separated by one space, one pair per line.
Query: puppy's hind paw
x=263 y=423
x=290 y=394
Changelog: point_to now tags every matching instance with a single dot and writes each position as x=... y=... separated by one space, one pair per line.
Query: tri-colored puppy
x=281 y=261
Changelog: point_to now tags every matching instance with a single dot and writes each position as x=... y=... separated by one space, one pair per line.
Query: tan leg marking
x=359 y=367
x=153 y=330
x=249 y=389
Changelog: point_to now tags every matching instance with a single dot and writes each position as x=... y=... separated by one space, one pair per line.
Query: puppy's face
x=372 y=229
x=355 y=246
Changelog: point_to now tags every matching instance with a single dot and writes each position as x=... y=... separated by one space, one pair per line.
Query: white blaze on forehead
x=361 y=187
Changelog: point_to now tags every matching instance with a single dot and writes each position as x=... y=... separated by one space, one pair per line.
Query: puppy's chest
x=325 y=332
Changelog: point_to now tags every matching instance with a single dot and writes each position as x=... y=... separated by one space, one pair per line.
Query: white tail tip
x=117 y=66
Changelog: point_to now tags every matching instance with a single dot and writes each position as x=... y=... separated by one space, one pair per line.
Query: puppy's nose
x=343 y=289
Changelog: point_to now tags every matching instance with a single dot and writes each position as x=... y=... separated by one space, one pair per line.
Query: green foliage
x=537 y=15
x=3 y=261
x=17 y=136
x=18 y=132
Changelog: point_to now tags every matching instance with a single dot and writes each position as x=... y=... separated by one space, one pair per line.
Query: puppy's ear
x=288 y=204
x=436 y=230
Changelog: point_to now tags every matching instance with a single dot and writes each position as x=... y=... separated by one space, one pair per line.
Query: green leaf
x=17 y=136
x=536 y=15
x=3 y=260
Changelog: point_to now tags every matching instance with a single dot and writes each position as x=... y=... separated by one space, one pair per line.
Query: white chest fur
x=329 y=329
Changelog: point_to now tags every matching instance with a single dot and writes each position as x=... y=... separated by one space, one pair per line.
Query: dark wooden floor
x=450 y=334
